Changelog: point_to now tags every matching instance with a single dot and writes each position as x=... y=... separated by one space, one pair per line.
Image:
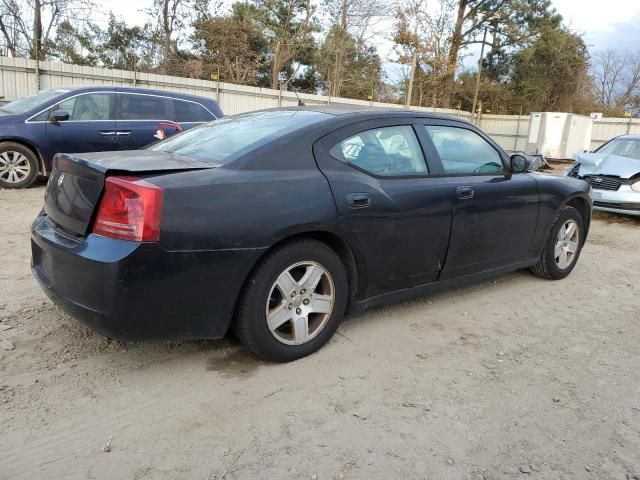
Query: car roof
x=367 y=112
x=630 y=137
x=148 y=91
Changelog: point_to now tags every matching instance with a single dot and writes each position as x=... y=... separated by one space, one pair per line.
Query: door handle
x=359 y=200
x=106 y=132
x=464 y=192
x=123 y=132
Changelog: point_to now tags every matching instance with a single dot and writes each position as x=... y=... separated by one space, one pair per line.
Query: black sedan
x=277 y=223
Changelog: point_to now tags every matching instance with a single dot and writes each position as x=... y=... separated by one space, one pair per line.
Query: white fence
x=20 y=77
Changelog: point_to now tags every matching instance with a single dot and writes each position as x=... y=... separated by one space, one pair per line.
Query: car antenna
x=300 y=102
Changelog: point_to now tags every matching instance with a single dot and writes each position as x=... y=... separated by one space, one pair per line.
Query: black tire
x=547 y=266
x=250 y=323
x=10 y=150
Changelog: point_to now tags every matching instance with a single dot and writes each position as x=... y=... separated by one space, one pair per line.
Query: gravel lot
x=513 y=378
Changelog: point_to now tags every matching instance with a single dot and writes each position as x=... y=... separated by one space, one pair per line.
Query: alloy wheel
x=14 y=167
x=300 y=303
x=567 y=243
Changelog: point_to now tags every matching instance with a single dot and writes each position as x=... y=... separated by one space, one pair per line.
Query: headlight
x=636 y=186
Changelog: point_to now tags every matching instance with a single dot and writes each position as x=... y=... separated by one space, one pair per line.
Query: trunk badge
x=60 y=179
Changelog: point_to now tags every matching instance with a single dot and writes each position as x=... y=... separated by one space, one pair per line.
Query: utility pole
x=413 y=73
x=475 y=95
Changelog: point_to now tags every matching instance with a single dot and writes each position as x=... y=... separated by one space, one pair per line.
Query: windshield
x=624 y=147
x=27 y=103
x=227 y=138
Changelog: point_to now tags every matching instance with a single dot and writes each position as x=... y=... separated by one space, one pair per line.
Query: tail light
x=130 y=209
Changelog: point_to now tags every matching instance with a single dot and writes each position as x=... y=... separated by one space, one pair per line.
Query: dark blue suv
x=89 y=119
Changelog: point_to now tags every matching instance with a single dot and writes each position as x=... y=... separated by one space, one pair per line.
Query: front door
x=90 y=128
x=385 y=195
x=496 y=212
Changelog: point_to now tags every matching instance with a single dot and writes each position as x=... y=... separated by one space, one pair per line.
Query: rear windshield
x=624 y=147
x=223 y=140
x=32 y=101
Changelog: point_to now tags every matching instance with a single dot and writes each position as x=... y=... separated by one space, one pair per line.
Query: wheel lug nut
x=303 y=291
x=290 y=306
x=293 y=294
x=298 y=311
x=306 y=301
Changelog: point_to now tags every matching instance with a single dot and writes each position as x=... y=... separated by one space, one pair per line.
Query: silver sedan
x=613 y=170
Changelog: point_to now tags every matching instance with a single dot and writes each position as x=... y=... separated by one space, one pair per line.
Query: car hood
x=604 y=164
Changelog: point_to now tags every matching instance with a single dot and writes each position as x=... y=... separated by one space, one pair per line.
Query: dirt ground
x=513 y=378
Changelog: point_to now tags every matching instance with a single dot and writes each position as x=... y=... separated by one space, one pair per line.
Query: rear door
x=91 y=125
x=496 y=213
x=190 y=114
x=389 y=198
x=138 y=116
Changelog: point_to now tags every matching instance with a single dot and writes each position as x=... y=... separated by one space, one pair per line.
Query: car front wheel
x=18 y=166
x=293 y=302
x=563 y=246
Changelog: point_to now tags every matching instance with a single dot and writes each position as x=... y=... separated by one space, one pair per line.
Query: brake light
x=130 y=209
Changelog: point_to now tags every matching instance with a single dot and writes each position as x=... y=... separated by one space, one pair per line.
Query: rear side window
x=89 y=106
x=143 y=107
x=463 y=151
x=386 y=151
x=190 y=112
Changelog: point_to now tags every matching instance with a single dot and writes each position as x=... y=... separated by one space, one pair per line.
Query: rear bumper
x=624 y=200
x=137 y=291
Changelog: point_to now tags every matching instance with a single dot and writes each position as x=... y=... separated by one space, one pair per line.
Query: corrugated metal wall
x=18 y=78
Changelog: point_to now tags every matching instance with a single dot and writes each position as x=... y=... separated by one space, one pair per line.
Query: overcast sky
x=605 y=24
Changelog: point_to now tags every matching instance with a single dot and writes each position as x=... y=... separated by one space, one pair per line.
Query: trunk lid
x=77 y=181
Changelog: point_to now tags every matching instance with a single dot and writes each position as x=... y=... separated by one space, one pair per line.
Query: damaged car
x=613 y=171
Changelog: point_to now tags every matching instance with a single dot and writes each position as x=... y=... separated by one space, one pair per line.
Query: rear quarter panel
x=243 y=207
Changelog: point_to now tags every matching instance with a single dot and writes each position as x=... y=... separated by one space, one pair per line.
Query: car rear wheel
x=18 y=166
x=293 y=303
x=563 y=246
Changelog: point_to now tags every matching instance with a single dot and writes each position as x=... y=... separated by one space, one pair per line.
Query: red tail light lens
x=130 y=209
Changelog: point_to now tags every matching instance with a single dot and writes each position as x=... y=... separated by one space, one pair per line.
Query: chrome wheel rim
x=14 y=167
x=300 y=303
x=567 y=242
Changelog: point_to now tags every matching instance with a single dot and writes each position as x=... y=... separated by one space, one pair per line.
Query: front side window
x=90 y=106
x=143 y=107
x=385 y=151
x=190 y=112
x=463 y=151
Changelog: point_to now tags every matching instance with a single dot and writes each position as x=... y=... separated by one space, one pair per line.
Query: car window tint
x=190 y=112
x=463 y=151
x=143 y=107
x=624 y=147
x=386 y=151
x=90 y=106
x=227 y=138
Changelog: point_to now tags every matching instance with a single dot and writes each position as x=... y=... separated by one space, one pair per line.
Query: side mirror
x=519 y=163
x=59 y=116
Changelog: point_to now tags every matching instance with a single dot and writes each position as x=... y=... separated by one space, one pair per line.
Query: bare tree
x=350 y=24
x=423 y=31
x=616 y=79
x=27 y=27
x=173 y=16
